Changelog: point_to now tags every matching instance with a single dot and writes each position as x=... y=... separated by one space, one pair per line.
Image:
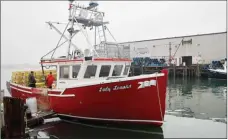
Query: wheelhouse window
x=117 y=70
x=104 y=72
x=126 y=69
x=75 y=70
x=90 y=71
x=64 y=72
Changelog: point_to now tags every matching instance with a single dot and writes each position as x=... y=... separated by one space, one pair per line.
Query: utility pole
x=170 y=59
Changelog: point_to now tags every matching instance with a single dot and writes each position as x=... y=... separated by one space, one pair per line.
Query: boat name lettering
x=108 y=89
x=147 y=84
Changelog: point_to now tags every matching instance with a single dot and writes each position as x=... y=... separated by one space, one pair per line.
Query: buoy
x=32 y=105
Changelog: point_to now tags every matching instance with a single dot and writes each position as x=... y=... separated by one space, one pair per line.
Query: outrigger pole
x=62 y=35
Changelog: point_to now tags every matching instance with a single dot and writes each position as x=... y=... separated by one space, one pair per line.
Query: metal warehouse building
x=202 y=48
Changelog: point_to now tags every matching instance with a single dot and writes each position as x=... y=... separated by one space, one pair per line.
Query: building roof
x=174 y=37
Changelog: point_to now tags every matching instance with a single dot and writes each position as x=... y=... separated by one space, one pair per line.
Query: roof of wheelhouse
x=81 y=60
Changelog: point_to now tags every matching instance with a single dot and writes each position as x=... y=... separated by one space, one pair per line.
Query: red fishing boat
x=94 y=84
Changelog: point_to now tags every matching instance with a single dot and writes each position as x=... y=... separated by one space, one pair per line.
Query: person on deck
x=32 y=80
x=49 y=80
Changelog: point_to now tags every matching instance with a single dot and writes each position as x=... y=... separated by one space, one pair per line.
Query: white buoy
x=42 y=135
x=52 y=120
x=32 y=105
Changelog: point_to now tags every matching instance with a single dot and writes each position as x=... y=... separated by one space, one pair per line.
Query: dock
x=15 y=121
x=184 y=71
x=174 y=71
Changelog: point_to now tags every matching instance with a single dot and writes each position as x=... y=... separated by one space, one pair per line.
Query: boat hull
x=217 y=75
x=133 y=101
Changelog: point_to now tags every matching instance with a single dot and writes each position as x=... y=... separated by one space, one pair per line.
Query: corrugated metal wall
x=209 y=46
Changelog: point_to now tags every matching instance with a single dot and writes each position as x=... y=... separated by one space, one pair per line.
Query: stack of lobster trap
x=21 y=77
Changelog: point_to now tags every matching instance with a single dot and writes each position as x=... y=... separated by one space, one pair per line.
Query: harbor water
x=195 y=108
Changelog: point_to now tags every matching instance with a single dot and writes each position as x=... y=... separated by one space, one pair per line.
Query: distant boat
x=218 y=73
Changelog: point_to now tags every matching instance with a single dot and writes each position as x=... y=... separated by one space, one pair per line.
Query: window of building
x=126 y=69
x=90 y=71
x=104 y=72
x=64 y=72
x=75 y=71
x=117 y=70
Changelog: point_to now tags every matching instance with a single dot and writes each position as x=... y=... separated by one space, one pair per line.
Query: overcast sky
x=25 y=37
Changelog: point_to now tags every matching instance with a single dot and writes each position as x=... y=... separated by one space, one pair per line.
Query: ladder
x=102 y=37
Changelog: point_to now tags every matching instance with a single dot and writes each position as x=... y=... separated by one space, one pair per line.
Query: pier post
x=198 y=70
x=133 y=71
x=1 y=113
x=14 y=117
x=2 y=121
x=192 y=72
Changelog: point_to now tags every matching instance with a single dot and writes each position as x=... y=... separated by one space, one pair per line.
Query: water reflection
x=174 y=127
x=195 y=97
x=69 y=129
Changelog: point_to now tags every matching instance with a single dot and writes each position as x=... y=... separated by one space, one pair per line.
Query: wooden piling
x=1 y=103
x=1 y=114
x=186 y=71
x=198 y=70
x=14 y=118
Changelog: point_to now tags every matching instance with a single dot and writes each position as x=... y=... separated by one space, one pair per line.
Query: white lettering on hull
x=147 y=84
x=115 y=88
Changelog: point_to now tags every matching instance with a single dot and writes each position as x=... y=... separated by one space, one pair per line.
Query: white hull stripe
x=25 y=87
x=17 y=85
x=21 y=90
x=56 y=95
x=66 y=95
x=105 y=119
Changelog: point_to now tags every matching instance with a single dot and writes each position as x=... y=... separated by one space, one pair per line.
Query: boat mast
x=71 y=18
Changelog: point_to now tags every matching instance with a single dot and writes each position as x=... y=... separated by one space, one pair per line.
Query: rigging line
x=57 y=46
x=110 y=33
x=159 y=100
x=61 y=44
x=74 y=18
x=60 y=39
x=67 y=40
x=83 y=32
x=85 y=36
x=114 y=40
x=178 y=47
